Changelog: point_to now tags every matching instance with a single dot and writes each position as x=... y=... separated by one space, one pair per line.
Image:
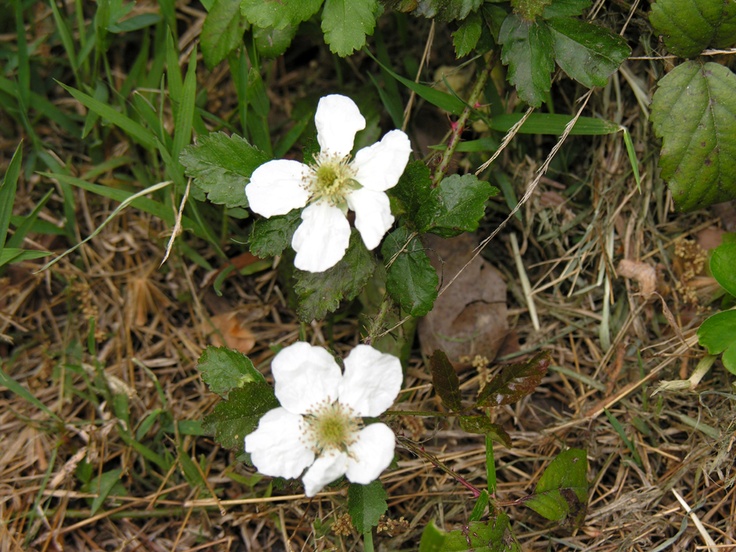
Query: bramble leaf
x=321 y=292
x=694 y=112
x=413 y=190
x=221 y=166
x=494 y=535
x=565 y=8
x=586 y=52
x=446 y=10
x=562 y=491
x=346 y=23
x=222 y=31
x=445 y=381
x=366 y=504
x=224 y=369
x=278 y=14
x=723 y=266
x=690 y=26
x=515 y=381
x=411 y=280
x=467 y=35
x=528 y=50
x=236 y=417
x=457 y=205
x=718 y=335
x=483 y=426
x=271 y=236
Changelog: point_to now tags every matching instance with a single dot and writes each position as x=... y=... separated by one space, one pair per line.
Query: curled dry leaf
x=230 y=331
x=469 y=317
x=644 y=274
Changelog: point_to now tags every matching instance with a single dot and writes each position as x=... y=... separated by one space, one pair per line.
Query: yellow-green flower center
x=332 y=426
x=332 y=179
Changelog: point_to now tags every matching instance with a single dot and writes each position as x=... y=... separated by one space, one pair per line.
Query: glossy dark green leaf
x=271 y=236
x=224 y=369
x=562 y=491
x=494 y=535
x=444 y=10
x=321 y=292
x=690 y=26
x=565 y=8
x=718 y=335
x=221 y=166
x=515 y=381
x=483 y=426
x=413 y=190
x=238 y=416
x=366 y=504
x=278 y=14
x=222 y=31
x=457 y=205
x=723 y=266
x=586 y=52
x=694 y=112
x=528 y=50
x=272 y=42
x=411 y=280
x=445 y=381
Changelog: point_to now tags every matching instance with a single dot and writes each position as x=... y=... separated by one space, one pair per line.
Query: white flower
x=332 y=185
x=318 y=425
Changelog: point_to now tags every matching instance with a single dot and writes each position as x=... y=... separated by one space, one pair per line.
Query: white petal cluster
x=319 y=426
x=334 y=184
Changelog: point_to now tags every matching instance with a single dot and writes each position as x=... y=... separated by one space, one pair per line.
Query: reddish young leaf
x=445 y=380
x=515 y=381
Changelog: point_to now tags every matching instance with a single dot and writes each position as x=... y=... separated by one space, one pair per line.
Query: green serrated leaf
x=271 y=236
x=221 y=166
x=467 y=35
x=445 y=381
x=457 y=205
x=272 y=42
x=565 y=8
x=723 y=266
x=321 y=292
x=494 y=535
x=515 y=381
x=694 y=112
x=346 y=23
x=224 y=369
x=562 y=491
x=483 y=426
x=586 y=52
x=222 y=31
x=236 y=417
x=690 y=26
x=718 y=335
x=413 y=190
x=366 y=504
x=411 y=280
x=278 y=14
x=445 y=10
x=528 y=50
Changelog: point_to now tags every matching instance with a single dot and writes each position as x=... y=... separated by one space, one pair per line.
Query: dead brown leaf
x=644 y=274
x=230 y=331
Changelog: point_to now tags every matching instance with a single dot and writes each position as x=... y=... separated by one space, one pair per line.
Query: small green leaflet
x=321 y=292
x=494 y=535
x=694 y=112
x=723 y=265
x=366 y=504
x=270 y=236
x=224 y=369
x=481 y=425
x=346 y=23
x=515 y=381
x=690 y=26
x=411 y=280
x=238 y=416
x=412 y=191
x=445 y=381
x=222 y=31
x=562 y=491
x=467 y=35
x=221 y=166
x=278 y=14
x=444 y=10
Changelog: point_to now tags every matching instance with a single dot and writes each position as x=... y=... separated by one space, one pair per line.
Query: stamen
x=331 y=426
x=331 y=178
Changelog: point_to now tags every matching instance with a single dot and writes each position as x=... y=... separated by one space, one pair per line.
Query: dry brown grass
x=107 y=322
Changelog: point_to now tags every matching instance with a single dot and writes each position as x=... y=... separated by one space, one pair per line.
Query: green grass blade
x=185 y=116
x=632 y=157
x=552 y=123
x=66 y=38
x=24 y=66
x=8 y=187
x=27 y=221
x=22 y=392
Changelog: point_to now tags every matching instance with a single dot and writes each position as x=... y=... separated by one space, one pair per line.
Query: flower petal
x=379 y=167
x=373 y=215
x=277 y=446
x=371 y=453
x=321 y=239
x=328 y=467
x=371 y=381
x=304 y=376
x=277 y=187
x=337 y=120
